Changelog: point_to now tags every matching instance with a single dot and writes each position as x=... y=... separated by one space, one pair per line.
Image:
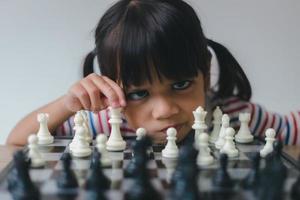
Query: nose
x=164 y=108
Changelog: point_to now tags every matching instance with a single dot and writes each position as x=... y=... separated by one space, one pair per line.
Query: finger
x=118 y=90
x=107 y=90
x=83 y=96
x=94 y=95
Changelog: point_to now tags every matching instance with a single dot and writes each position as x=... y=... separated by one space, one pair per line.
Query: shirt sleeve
x=285 y=126
x=98 y=123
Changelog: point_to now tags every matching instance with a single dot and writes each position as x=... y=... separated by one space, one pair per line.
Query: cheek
x=135 y=116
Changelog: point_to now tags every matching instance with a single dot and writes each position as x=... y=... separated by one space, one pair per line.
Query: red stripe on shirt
x=63 y=131
x=107 y=118
x=252 y=114
x=273 y=121
x=264 y=124
x=295 y=129
x=100 y=123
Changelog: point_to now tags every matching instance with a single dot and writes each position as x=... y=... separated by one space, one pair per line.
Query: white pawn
x=78 y=120
x=270 y=139
x=115 y=141
x=171 y=149
x=217 y=125
x=44 y=135
x=34 y=154
x=244 y=135
x=81 y=147
x=221 y=139
x=88 y=136
x=199 y=124
x=229 y=146
x=204 y=157
x=101 y=147
x=140 y=133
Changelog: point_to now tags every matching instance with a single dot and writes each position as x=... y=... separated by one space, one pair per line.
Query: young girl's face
x=162 y=104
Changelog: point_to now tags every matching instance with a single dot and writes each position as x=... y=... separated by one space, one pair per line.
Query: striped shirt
x=286 y=126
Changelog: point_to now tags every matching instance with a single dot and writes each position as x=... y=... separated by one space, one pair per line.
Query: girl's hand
x=94 y=93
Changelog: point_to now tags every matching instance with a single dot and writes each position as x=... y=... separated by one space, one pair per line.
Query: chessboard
x=160 y=170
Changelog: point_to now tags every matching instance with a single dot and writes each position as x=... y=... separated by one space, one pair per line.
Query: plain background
x=43 y=43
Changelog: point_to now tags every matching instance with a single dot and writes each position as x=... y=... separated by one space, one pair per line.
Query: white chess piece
x=204 y=157
x=270 y=139
x=78 y=120
x=88 y=135
x=101 y=147
x=199 y=124
x=170 y=165
x=140 y=133
x=221 y=139
x=81 y=147
x=229 y=146
x=244 y=135
x=34 y=154
x=115 y=141
x=217 y=122
x=44 y=135
x=171 y=149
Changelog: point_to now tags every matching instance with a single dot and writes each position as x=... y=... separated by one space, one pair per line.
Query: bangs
x=153 y=41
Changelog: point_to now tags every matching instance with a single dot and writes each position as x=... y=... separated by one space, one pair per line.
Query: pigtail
x=88 y=65
x=232 y=79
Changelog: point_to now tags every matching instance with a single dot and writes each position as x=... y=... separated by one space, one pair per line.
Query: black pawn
x=20 y=184
x=222 y=179
x=67 y=179
x=97 y=181
x=252 y=178
x=142 y=187
x=295 y=192
x=131 y=167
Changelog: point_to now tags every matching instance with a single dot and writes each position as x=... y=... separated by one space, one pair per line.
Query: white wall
x=42 y=45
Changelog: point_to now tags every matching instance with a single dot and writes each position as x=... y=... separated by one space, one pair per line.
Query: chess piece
x=199 y=124
x=229 y=146
x=171 y=149
x=78 y=120
x=19 y=182
x=217 y=122
x=140 y=132
x=270 y=139
x=221 y=139
x=252 y=178
x=97 y=181
x=88 y=135
x=222 y=180
x=115 y=141
x=81 y=148
x=204 y=157
x=170 y=165
x=34 y=154
x=244 y=135
x=43 y=134
x=67 y=178
x=101 y=147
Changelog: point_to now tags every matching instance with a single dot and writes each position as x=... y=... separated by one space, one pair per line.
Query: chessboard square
x=162 y=174
x=49 y=187
x=126 y=184
x=51 y=156
x=127 y=155
x=60 y=142
x=115 y=194
x=157 y=156
x=151 y=164
x=116 y=155
x=51 y=149
x=248 y=148
x=114 y=174
x=238 y=173
x=157 y=148
x=40 y=175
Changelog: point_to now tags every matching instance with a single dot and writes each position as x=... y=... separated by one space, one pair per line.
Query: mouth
x=176 y=126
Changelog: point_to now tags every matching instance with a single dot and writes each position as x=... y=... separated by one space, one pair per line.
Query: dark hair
x=135 y=38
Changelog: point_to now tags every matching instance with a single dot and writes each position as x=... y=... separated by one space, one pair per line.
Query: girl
x=155 y=62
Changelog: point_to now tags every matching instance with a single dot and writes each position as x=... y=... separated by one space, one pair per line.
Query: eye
x=181 y=85
x=137 y=95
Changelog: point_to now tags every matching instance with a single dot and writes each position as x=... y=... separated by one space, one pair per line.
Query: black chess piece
x=222 y=179
x=97 y=181
x=20 y=184
x=131 y=167
x=295 y=191
x=142 y=187
x=253 y=177
x=67 y=179
x=275 y=168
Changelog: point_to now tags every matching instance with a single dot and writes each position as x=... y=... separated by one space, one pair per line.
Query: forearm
x=58 y=114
